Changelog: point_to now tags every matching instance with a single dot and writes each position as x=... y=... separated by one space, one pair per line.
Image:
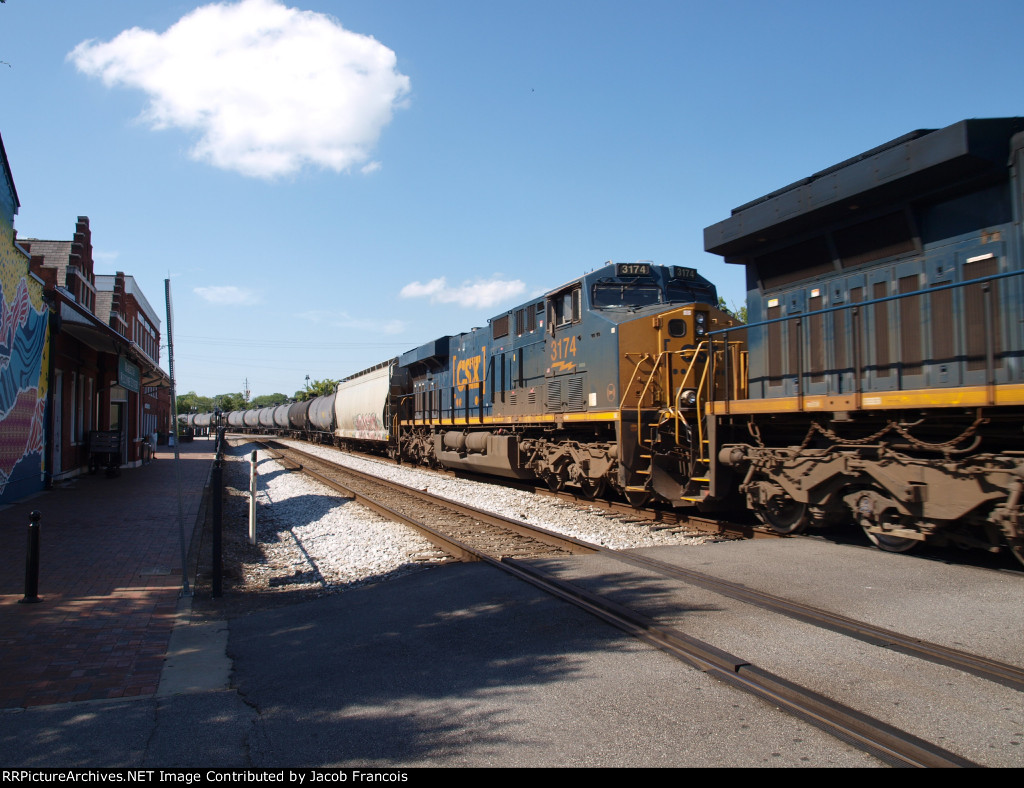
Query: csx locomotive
x=878 y=380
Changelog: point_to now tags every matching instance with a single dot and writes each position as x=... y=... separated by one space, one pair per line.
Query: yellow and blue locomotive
x=590 y=385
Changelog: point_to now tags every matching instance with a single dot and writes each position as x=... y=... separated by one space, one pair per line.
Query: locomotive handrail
x=871 y=302
x=701 y=387
x=855 y=306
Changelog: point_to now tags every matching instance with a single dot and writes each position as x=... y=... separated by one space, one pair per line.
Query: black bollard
x=218 y=564
x=32 y=561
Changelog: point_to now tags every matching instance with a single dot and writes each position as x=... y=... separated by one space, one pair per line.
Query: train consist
x=878 y=380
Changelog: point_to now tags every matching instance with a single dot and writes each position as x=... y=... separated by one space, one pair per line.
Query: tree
x=230 y=402
x=740 y=313
x=318 y=388
x=266 y=400
x=193 y=403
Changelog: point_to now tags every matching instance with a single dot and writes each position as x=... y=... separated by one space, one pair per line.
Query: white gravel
x=311 y=539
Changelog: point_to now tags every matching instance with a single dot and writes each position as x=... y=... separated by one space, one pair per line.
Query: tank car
x=265 y=418
x=572 y=386
x=236 y=420
x=321 y=418
x=298 y=418
x=886 y=383
x=280 y=417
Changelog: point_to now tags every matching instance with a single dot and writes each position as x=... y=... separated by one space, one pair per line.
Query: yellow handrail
x=702 y=384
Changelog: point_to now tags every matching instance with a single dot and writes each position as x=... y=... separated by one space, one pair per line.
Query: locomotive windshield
x=688 y=292
x=608 y=294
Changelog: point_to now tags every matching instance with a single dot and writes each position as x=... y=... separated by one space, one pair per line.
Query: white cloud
x=481 y=293
x=345 y=320
x=268 y=88
x=228 y=295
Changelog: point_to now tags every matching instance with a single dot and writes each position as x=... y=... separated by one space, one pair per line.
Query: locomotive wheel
x=892 y=544
x=637 y=498
x=784 y=515
x=886 y=515
x=554 y=481
x=592 y=488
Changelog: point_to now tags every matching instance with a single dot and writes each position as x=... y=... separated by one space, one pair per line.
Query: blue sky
x=328 y=184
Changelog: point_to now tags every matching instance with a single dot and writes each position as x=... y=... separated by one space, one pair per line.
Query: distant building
x=23 y=356
x=121 y=303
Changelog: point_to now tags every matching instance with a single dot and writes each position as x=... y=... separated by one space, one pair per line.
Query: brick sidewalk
x=109 y=579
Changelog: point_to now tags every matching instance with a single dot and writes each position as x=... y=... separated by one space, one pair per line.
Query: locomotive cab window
x=608 y=294
x=689 y=293
x=564 y=308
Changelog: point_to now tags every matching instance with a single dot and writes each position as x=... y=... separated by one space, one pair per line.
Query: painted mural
x=23 y=362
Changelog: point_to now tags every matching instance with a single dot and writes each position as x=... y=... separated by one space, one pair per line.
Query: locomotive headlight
x=688 y=398
x=701 y=320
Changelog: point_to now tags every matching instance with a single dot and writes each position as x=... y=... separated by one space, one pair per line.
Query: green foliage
x=266 y=400
x=193 y=403
x=318 y=388
x=740 y=313
x=230 y=402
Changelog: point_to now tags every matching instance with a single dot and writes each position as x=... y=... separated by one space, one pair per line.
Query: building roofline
x=9 y=175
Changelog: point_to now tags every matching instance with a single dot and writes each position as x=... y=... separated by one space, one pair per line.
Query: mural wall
x=23 y=364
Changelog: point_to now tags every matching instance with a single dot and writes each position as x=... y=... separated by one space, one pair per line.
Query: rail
x=872 y=735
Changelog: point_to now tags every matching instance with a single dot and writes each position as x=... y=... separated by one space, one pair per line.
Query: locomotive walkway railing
x=698 y=379
x=857 y=335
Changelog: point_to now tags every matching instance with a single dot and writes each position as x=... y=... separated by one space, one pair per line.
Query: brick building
x=121 y=303
x=103 y=355
x=23 y=356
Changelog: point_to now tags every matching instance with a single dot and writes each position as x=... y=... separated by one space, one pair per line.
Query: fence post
x=218 y=568
x=252 y=499
x=32 y=561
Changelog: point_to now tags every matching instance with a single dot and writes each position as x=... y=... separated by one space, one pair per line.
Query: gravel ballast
x=310 y=542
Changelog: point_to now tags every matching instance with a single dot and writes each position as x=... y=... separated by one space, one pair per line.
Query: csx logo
x=468 y=369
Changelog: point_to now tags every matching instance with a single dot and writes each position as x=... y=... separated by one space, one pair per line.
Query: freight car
x=886 y=383
x=357 y=414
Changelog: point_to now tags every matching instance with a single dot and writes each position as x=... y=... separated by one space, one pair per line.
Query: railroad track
x=464 y=531
x=668 y=518
x=470 y=540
